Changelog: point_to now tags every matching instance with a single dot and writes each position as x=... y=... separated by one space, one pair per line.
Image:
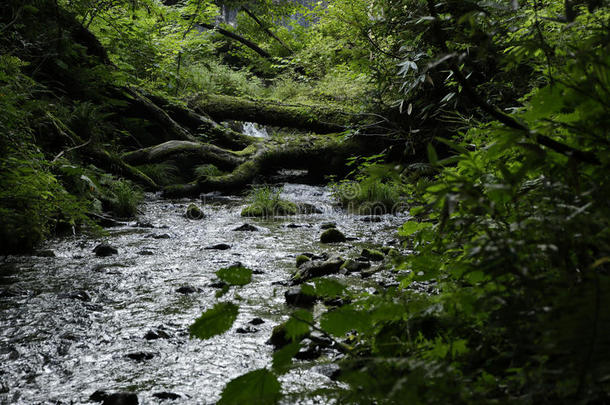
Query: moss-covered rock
x=332 y=235
x=302 y=259
x=280 y=208
x=194 y=212
x=372 y=254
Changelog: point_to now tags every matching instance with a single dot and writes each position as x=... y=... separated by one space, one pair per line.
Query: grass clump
x=124 y=199
x=265 y=201
x=208 y=170
x=163 y=174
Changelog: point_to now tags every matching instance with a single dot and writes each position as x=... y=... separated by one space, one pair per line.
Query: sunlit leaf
x=259 y=387
x=214 y=321
x=236 y=275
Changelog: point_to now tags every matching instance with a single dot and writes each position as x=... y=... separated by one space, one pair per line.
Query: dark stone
x=371 y=254
x=146 y=253
x=278 y=337
x=316 y=268
x=256 y=321
x=121 y=398
x=372 y=219
x=105 y=250
x=328 y=225
x=246 y=330
x=336 y=302
x=142 y=224
x=140 y=356
x=370 y=272
x=162 y=236
x=298 y=298
x=220 y=246
x=187 y=289
x=76 y=295
x=98 y=396
x=45 y=253
x=354 y=266
x=218 y=284
x=246 y=228
x=155 y=334
x=332 y=235
x=194 y=212
x=166 y=395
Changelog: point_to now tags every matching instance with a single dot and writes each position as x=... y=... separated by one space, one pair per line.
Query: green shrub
x=124 y=198
x=163 y=174
x=265 y=201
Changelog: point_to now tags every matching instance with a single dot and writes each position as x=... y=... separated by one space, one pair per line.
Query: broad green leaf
x=432 y=156
x=338 y=322
x=237 y=275
x=282 y=359
x=410 y=227
x=328 y=287
x=259 y=387
x=214 y=321
x=298 y=324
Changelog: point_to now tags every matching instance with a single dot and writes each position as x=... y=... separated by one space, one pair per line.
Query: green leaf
x=411 y=227
x=298 y=324
x=237 y=275
x=342 y=320
x=214 y=321
x=259 y=387
x=328 y=288
x=432 y=156
x=282 y=359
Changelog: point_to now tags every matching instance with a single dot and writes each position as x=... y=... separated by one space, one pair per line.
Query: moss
x=332 y=236
x=280 y=208
x=194 y=212
x=372 y=254
x=302 y=259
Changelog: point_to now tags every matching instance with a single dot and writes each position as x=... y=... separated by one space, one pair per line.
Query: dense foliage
x=503 y=296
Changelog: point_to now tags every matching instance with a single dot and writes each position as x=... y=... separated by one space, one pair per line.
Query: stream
x=76 y=323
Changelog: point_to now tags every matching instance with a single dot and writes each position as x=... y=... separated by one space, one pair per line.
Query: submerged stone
x=140 y=356
x=105 y=250
x=257 y=321
x=187 y=289
x=297 y=298
x=354 y=266
x=302 y=259
x=246 y=228
x=328 y=225
x=315 y=268
x=121 y=398
x=332 y=235
x=372 y=254
x=166 y=395
x=194 y=212
x=220 y=246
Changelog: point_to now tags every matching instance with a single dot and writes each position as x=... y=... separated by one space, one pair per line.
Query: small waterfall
x=255 y=130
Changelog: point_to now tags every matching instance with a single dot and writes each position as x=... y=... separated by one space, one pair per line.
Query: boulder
x=278 y=337
x=166 y=395
x=256 y=321
x=301 y=259
x=297 y=298
x=316 y=268
x=246 y=330
x=140 y=356
x=372 y=254
x=187 y=289
x=332 y=235
x=355 y=266
x=194 y=212
x=119 y=398
x=220 y=246
x=105 y=250
x=155 y=334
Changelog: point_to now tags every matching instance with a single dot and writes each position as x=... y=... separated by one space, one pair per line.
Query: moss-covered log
x=321 y=120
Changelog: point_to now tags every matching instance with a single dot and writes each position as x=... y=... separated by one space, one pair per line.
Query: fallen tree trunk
x=320 y=120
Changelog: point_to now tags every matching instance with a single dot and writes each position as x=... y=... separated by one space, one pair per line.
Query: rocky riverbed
x=73 y=322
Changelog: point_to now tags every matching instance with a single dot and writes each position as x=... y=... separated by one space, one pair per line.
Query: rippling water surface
x=67 y=323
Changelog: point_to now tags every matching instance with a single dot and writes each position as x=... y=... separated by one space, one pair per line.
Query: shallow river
x=67 y=323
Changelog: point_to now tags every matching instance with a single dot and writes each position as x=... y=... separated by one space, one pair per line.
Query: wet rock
x=146 y=253
x=162 y=236
x=301 y=259
x=140 y=356
x=336 y=302
x=246 y=228
x=220 y=246
x=144 y=224
x=306 y=208
x=316 y=268
x=121 y=398
x=309 y=350
x=296 y=297
x=166 y=395
x=187 y=289
x=218 y=284
x=355 y=266
x=372 y=219
x=155 y=334
x=76 y=295
x=372 y=254
x=246 y=330
x=330 y=370
x=105 y=250
x=370 y=272
x=194 y=212
x=328 y=225
x=257 y=321
x=332 y=235
x=45 y=253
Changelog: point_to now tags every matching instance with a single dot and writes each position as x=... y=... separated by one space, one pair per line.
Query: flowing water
x=67 y=323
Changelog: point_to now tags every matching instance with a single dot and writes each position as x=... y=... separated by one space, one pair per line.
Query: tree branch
x=238 y=38
x=264 y=28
